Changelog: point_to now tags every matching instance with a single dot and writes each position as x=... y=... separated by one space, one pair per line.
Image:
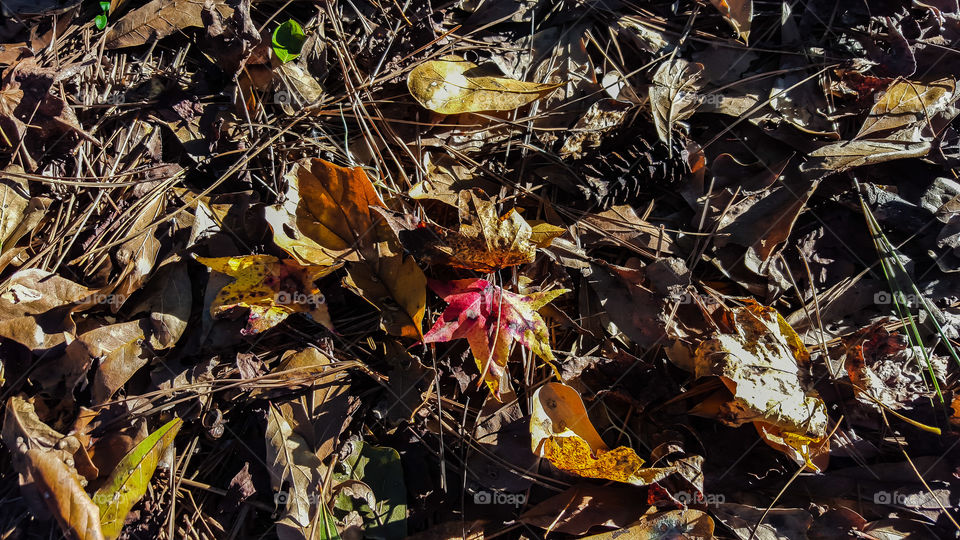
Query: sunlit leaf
x=270 y=288
x=453 y=85
x=673 y=95
x=129 y=480
x=288 y=39
x=491 y=318
x=561 y=432
x=384 y=506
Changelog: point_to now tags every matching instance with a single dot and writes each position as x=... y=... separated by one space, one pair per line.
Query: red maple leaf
x=491 y=319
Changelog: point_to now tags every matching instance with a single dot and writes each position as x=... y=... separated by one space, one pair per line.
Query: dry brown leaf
x=61 y=490
x=673 y=95
x=14 y=200
x=137 y=256
x=36 y=308
x=904 y=109
x=119 y=348
x=158 y=19
x=453 y=85
x=295 y=88
x=561 y=432
x=169 y=300
x=759 y=360
x=293 y=462
x=673 y=524
x=838 y=157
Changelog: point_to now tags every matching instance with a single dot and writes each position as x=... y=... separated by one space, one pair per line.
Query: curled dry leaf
x=129 y=481
x=561 y=432
x=270 y=288
x=673 y=95
x=453 y=85
x=759 y=360
x=61 y=490
x=840 y=156
x=491 y=319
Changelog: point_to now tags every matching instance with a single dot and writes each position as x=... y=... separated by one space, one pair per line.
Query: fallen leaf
x=903 y=110
x=119 y=348
x=329 y=213
x=840 y=156
x=673 y=524
x=157 y=20
x=673 y=95
x=384 y=506
x=561 y=432
x=61 y=490
x=491 y=319
x=270 y=288
x=129 y=481
x=169 y=302
x=739 y=13
x=759 y=360
x=137 y=256
x=14 y=199
x=36 y=308
x=584 y=506
x=453 y=85
x=485 y=241
x=295 y=465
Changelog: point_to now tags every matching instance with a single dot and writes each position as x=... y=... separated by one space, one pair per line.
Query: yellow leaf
x=543 y=233
x=561 y=432
x=270 y=288
x=453 y=85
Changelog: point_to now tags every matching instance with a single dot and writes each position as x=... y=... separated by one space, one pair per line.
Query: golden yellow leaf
x=543 y=233
x=906 y=104
x=270 y=288
x=453 y=85
x=561 y=432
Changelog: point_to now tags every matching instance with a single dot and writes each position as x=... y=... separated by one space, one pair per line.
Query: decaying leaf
x=838 y=157
x=760 y=360
x=739 y=13
x=270 y=288
x=137 y=256
x=560 y=431
x=130 y=479
x=158 y=19
x=36 y=308
x=485 y=242
x=14 y=199
x=491 y=319
x=673 y=95
x=453 y=85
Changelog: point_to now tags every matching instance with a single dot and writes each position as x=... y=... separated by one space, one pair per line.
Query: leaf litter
x=702 y=256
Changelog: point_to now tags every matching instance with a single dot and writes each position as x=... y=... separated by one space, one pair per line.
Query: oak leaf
x=491 y=318
x=453 y=85
x=270 y=288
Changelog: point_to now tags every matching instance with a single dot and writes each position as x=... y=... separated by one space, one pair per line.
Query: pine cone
x=626 y=165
